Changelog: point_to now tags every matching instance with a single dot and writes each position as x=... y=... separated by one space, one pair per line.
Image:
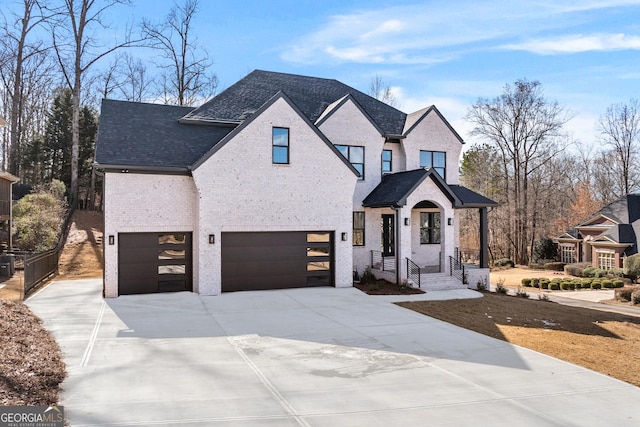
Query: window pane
x=425 y=159
x=358 y=220
x=318 y=251
x=344 y=150
x=172 y=269
x=356 y=154
x=171 y=254
x=360 y=169
x=318 y=237
x=280 y=155
x=281 y=137
x=171 y=239
x=358 y=237
x=318 y=265
x=439 y=159
x=386 y=155
x=440 y=171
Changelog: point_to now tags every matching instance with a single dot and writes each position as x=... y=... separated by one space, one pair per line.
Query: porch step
x=439 y=282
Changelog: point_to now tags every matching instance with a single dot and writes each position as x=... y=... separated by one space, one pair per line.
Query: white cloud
x=432 y=32
x=578 y=43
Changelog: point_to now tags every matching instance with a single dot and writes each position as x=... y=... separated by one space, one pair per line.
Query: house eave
x=157 y=170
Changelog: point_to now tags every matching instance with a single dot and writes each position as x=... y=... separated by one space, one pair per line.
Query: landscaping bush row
x=567 y=284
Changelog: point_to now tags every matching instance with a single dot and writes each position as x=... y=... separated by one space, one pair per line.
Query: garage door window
x=172 y=239
x=171 y=254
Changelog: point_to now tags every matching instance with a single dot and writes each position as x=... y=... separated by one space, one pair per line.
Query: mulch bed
x=31 y=365
x=382 y=287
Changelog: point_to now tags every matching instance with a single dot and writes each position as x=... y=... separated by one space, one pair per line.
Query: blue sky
x=585 y=53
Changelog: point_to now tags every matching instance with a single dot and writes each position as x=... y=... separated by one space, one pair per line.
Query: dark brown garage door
x=276 y=260
x=154 y=262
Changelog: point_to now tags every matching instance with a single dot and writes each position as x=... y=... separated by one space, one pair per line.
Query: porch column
x=484 y=239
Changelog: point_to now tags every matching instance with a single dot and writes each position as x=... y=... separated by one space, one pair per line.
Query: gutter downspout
x=396 y=210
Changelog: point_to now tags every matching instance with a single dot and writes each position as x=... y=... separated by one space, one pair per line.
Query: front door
x=388 y=234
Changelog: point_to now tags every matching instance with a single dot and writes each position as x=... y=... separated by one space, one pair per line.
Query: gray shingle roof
x=149 y=135
x=311 y=94
x=394 y=189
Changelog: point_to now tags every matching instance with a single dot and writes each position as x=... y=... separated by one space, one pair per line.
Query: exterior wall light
x=212 y=239
x=449 y=221
x=112 y=239
x=344 y=237
x=406 y=221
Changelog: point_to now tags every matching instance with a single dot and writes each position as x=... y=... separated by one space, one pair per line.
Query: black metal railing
x=413 y=272
x=41 y=267
x=456 y=269
x=382 y=263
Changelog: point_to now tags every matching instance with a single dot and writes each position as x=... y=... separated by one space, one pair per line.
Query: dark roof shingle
x=149 y=135
x=311 y=94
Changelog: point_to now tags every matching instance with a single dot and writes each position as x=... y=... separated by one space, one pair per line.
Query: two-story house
x=279 y=181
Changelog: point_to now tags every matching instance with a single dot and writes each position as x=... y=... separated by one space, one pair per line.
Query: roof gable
x=414 y=119
x=335 y=107
x=263 y=108
x=312 y=95
x=394 y=188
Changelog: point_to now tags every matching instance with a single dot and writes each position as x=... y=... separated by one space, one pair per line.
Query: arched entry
x=427 y=241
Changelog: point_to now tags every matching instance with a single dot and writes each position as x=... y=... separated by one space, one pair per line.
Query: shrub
x=607 y=283
x=500 y=288
x=543 y=297
x=576 y=268
x=504 y=262
x=567 y=286
x=615 y=272
x=586 y=283
x=618 y=283
x=37 y=218
x=589 y=271
x=535 y=282
x=554 y=266
x=596 y=284
x=481 y=285
x=367 y=276
x=556 y=280
x=554 y=286
x=526 y=282
x=544 y=283
x=635 y=297
x=598 y=272
x=543 y=250
x=631 y=266
x=623 y=294
x=521 y=293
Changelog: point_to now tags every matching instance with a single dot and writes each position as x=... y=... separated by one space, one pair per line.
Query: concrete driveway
x=305 y=357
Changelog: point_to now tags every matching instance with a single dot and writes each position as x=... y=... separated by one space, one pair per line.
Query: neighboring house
x=606 y=238
x=6 y=209
x=279 y=181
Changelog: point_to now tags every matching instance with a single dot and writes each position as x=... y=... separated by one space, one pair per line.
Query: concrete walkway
x=305 y=357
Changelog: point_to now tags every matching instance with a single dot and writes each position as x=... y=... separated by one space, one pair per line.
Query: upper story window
x=434 y=159
x=355 y=155
x=280 y=148
x=386 y=161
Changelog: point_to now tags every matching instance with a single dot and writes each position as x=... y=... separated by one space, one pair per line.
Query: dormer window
x=436 y=160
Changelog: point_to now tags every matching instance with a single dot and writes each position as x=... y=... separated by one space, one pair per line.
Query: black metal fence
x=413 y=272
x=456 y=269
x=38 y=268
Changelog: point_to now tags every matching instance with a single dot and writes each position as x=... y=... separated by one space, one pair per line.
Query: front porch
x=418 y=219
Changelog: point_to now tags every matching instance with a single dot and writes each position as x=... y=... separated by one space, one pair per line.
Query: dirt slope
x=82 y=253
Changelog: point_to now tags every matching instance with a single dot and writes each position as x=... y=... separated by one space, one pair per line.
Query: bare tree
x=526 y=129
x=620 y=130
x=381 y=91
x=126 y=78
x=77 y=49
x=18 y=52
x=186 y=79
